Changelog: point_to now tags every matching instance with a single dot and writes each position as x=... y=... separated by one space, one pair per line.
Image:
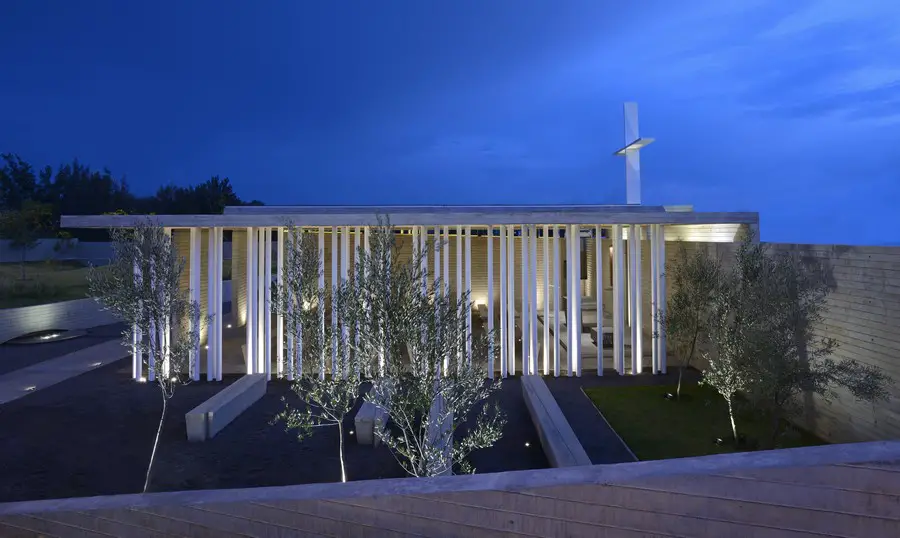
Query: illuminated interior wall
x=239 y=277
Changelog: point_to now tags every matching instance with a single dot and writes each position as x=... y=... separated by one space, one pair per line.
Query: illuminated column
x=661 y=290
x=446 y=272
x=525 y=315
x=556 y=304
x=511 y=297
x=637 y=333
x=345 y=275
x=423 y=247
x=575 y=352
x=598 y=262
x=334 y=319
x=322 y=305
x=367 y=249
x=504 y=326
x=468 y=267
x=251 y=300
x=213 y=338
x=220 y=340
x=654 y=300
x=166 y=337
x=618 y=299
x=459 y=284
x=490 y=299
x=267 y=304
x=279 y=320
x=532 y=296
x=546 y=231
x=137 y=356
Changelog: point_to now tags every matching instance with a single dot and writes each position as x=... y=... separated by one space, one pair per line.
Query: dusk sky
x=790 y=108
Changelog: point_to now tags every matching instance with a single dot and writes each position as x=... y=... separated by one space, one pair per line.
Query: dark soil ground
x=92 y=435
x=16 y=356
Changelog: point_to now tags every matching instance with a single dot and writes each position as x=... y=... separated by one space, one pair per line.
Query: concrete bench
x=369 y=419
x=557 y=438
x=208 y=419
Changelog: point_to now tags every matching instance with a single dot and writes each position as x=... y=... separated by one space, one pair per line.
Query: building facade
x=567 y=289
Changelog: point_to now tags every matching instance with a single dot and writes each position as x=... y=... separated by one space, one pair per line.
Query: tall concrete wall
x=863 y=316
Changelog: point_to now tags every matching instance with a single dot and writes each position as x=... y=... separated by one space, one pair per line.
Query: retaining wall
x=77 y=314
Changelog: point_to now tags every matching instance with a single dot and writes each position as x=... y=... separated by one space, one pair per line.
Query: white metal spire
x=631 y=152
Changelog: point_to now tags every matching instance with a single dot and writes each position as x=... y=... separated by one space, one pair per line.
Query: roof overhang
x=242 y=217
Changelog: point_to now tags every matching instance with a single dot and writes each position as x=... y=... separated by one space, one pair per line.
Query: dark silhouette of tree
x=18 y=183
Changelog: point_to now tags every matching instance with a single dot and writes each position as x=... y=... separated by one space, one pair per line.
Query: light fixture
x=142 y=379
x=49 y=336
x=30 y=388
x=351 y=432
x=228 y=326
x=206 y=346
x=96 y=364
x=527 y=444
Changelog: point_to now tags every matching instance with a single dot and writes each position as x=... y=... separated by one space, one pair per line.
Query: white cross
x=631 y=152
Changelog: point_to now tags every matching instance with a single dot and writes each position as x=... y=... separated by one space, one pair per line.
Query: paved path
x=24 y=381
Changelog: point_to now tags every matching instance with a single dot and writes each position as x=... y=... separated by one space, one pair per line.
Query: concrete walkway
x=24 y=381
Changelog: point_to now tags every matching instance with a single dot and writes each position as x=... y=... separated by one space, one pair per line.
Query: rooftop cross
x=631 y=152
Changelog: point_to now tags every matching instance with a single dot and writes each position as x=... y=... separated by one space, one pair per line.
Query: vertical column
x=525 y=315
x=137 y=338
x=367 y=248
x=504 y=327
x=556 y=339
x=534 y=303
x=576 y=286
x=423 y=247
x=345 y=275
x=618 y=299
x=322 y=305
x=570 y=299
x=220 y=340
x=154 y=333
x=213 y=340
x=490 y=299
x=279 y=320
x=661 y=291
x=334 y=319
x=250 y=345
x=459 y=285
x=261 y=302
x=267 y=302
x=546 y=231
x=446 y=261
x=638 y=298
x=357 y=240
x=654 y=301
x=598 y=261
x=468 y=267
x=511 y=297
x=166 y=337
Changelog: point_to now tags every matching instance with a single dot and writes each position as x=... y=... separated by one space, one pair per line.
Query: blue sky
x=791 y=109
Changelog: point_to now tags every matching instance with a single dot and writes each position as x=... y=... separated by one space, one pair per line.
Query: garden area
x=44 y=282
x=656 y=426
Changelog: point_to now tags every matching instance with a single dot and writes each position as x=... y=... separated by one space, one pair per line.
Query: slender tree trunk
x=678 y=389
x=684 y=364
x=341 y=451
x=162 y=419
x=733 y=425
x=776 y=428
x=22 y=265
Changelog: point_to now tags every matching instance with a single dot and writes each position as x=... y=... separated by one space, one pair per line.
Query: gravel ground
x=16 y=356
x=92 y=435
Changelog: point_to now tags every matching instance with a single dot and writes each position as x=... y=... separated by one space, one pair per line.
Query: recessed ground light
x=31 y=388
x=228 y=326
x=206 y=347
x=96 y=364
x=142 y=379
x=351 y=432
x=527 y=444
x=49 y=336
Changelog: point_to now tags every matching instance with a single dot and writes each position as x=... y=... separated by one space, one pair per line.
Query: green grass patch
x=658 y=428
x=44 y=282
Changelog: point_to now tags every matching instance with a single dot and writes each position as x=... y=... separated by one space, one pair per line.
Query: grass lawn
x=45 y=282
x=656 y=428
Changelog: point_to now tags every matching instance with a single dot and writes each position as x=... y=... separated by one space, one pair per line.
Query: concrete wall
x=864 y=317
x=836 y=490
x=78 y=314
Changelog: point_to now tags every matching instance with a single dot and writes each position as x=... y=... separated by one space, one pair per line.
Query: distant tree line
x=41 y=196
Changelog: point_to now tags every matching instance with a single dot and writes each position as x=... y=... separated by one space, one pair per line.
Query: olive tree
x=141 y=287
x=792 y=355
x=439 y=386
x=327 y=395
x=695 y=278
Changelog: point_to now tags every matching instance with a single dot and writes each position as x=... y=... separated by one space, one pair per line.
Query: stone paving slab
x=23 y=382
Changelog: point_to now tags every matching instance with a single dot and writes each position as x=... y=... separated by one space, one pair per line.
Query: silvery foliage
x=142 y=287
x=327 y=389
x=695 y=282
x=425 y=383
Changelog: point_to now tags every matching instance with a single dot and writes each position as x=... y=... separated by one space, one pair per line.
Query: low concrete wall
x=77 y=314
x=799 y=492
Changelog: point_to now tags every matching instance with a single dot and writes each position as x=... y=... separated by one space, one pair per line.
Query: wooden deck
x=751 y=495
